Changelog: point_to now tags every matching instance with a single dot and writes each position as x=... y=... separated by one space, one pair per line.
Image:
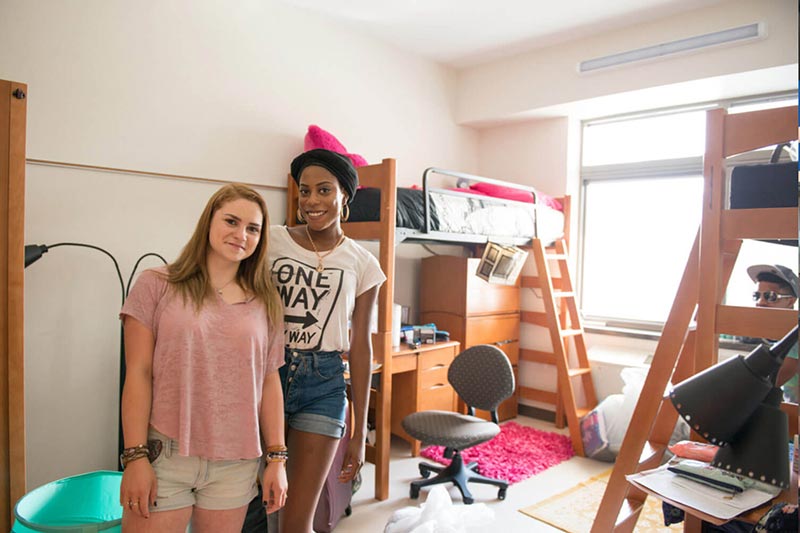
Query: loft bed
x=689 y=342
x=475 y=211
x=380 y=212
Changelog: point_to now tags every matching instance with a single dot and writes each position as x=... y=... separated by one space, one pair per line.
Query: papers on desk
x=706 y=499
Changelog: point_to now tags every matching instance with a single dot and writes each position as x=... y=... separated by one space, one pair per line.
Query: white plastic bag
x=617 y=410
x=439 y=515
x=622 y=411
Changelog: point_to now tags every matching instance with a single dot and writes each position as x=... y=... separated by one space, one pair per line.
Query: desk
x=693 y=518
x=419 y=383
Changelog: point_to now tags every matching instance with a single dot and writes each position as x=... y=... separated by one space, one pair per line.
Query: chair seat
x=448 y=429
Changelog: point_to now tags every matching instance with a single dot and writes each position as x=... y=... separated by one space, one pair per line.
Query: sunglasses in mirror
x=770 y=296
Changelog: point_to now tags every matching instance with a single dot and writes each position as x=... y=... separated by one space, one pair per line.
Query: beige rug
x=574 y=510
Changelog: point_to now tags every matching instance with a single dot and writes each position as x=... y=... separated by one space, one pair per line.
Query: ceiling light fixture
x=737 y=35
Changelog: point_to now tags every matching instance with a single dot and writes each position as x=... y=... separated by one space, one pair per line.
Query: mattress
x=458 y=214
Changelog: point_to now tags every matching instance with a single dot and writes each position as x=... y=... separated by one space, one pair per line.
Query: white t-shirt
x=318 y=305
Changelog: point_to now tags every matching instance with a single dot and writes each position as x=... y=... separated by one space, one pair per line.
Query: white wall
x=220 y=90
x=206 y=89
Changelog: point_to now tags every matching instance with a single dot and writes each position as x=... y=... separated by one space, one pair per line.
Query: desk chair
x=482 y=376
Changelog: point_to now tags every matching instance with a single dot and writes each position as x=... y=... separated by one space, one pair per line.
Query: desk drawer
x=436 y=358
x=404 y=363
x=432 y=377
x=440 y=397
x=511 y=349
x=492 y=329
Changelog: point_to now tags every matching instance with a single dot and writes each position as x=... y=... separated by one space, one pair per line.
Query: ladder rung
x=578 y=371
x=630 y=510
x=563 y=294
x=571 y=332
x=651 y=455
x=580 y=412
x=537 y=356
x=538 y=318
x=535 y=282
x=556 y=257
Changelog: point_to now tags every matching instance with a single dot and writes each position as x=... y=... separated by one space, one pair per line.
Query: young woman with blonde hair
x=202 y=397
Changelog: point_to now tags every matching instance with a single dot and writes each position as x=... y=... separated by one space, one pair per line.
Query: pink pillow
x=468 y=191
x=316 y=137
x=499 y=191
x=549 y=201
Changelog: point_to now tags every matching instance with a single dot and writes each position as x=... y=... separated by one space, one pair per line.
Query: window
x=638 y=235
x=642 y=187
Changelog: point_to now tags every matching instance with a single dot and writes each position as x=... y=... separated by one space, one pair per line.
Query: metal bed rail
x=426 y=190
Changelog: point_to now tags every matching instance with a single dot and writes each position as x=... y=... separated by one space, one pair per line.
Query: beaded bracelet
x=132 y=449
x=277 y=454
x=132 y=454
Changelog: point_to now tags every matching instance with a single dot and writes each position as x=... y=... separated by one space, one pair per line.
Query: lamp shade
x=718 y=401
x=760 y=450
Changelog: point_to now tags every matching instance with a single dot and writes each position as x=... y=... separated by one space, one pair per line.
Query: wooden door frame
x=13 y=113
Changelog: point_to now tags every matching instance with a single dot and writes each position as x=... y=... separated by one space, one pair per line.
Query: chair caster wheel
x=348 y=511
x=414 y=492
x=468 y=500
x=501 y=494
x=424 y=472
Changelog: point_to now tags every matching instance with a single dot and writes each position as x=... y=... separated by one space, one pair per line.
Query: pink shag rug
x=516 y=453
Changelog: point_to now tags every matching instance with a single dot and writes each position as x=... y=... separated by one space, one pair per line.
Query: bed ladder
x=689 y=341
x=562 y=319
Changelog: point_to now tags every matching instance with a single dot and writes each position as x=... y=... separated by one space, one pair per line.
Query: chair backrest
x=482 y=376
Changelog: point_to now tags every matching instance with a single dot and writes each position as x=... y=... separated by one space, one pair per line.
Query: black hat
x=337 y=164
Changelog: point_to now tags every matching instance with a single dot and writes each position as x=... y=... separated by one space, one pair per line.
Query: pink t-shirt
x=208 y=367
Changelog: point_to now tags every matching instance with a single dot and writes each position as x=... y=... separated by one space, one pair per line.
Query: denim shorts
x=314 y=392
x=194 y=481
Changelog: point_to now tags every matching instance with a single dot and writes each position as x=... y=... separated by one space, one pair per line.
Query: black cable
x=135 y=266
x=36 y=251
x=122 y=365
x=116 y=265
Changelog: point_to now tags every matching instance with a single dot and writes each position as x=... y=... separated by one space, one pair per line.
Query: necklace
x=320 y=268
x=219 y=290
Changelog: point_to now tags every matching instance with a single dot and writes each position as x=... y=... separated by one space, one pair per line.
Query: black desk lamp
x=761 y=449
x=736 y=405
x=35 y=251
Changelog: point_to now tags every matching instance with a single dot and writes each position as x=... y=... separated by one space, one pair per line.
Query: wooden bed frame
x=13 y=116
x=385 y=232
x=685 y=349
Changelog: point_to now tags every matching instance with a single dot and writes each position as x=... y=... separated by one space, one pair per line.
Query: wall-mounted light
x=740 y=34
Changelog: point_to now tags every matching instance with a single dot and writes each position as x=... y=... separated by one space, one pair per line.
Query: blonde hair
x=188 y=274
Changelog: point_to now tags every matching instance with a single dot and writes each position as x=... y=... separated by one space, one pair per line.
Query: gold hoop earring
x=300 y=216
x=345 y=212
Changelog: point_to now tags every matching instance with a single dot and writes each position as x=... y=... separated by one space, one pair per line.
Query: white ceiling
x=462 y=33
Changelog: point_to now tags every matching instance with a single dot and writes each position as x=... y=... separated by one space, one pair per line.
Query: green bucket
x=87 y=503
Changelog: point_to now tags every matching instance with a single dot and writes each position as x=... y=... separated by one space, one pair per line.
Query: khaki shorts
x=194 y=481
